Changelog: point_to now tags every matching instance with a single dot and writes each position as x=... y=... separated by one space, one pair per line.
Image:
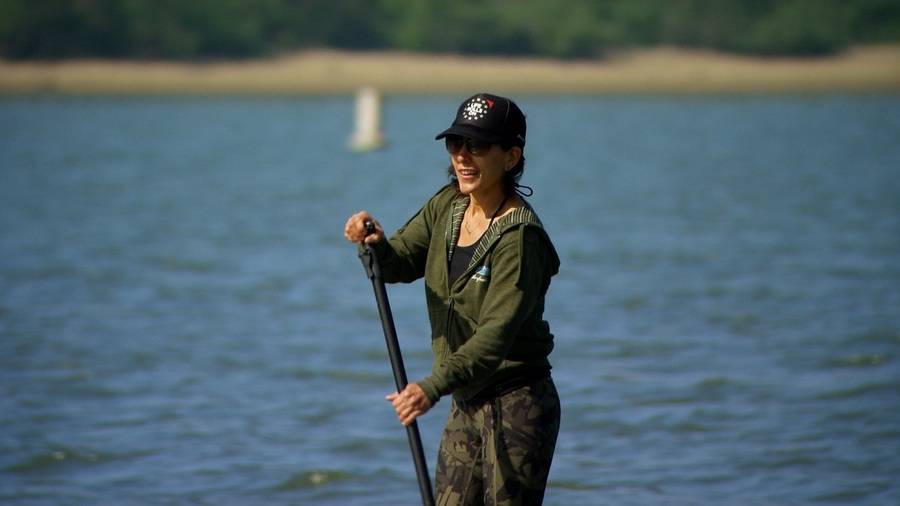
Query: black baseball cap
x=489 y=118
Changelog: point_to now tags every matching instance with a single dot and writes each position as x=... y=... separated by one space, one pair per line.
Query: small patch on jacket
x=482 y=275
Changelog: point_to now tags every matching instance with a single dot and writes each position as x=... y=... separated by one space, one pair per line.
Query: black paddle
x=373 y=270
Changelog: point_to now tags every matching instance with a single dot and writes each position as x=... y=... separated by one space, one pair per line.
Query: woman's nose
x=463 y=154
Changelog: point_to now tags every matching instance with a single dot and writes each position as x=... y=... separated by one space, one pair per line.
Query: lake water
x=181 y=321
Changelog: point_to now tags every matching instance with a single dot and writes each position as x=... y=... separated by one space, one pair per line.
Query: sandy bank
x=662 y=70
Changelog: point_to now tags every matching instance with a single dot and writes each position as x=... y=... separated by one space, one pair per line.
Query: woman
x=487 y=264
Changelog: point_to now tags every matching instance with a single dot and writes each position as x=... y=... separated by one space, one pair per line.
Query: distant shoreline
x=869 y=69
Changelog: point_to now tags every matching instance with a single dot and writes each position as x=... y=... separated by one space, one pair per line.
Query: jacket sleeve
x=517 y=285
x=402 y=257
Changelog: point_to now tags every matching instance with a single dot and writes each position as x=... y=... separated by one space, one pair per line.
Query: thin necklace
x=493 y=216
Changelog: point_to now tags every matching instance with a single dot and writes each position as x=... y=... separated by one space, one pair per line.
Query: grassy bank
x=662 y=70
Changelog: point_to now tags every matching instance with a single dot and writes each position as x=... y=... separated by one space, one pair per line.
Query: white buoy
x=367 y=134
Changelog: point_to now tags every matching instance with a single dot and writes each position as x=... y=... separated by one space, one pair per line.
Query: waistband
x=507 y=385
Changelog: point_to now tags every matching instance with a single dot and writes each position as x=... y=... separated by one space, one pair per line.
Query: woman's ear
x=512 y=157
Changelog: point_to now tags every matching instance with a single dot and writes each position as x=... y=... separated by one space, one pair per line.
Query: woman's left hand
x=410 y=404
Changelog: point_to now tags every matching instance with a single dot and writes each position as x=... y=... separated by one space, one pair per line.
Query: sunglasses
x=455 y=143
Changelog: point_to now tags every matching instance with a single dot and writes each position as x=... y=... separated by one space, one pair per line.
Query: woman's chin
x=467 y=187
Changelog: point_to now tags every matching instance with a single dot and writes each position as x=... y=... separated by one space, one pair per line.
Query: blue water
x=181 y=321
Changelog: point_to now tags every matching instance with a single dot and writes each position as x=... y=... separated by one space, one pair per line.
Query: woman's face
x=482 y=173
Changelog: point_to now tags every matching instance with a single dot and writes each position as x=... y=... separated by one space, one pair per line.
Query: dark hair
x=510 y=177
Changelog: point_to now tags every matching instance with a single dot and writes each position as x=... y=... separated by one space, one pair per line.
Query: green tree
x=567 y=29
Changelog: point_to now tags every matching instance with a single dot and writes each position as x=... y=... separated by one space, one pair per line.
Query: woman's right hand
x=355 y=229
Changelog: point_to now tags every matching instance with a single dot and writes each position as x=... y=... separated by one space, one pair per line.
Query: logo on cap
x=477 y=108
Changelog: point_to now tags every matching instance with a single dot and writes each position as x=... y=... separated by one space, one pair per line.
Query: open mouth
x=467 y=173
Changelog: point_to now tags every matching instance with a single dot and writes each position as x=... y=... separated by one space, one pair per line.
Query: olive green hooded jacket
x=487 y=327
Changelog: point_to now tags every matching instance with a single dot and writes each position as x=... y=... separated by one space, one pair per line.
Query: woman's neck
x=486 y=205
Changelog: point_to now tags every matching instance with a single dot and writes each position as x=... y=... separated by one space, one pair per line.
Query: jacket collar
x=521 y=215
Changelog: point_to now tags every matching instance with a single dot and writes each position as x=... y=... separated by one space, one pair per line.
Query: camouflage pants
x=499 y=452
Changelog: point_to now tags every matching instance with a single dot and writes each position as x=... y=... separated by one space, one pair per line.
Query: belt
x=506 y=386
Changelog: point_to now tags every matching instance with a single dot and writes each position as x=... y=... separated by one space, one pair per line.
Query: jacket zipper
x=466 y=273
x=447 y=328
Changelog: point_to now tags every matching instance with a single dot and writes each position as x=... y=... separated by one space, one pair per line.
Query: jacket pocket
x=460 y=329
x=437 y=312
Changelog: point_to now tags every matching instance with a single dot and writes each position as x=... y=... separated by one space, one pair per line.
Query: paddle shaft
x=373 y=271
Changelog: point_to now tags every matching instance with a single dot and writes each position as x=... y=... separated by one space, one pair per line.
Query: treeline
x=205 y=29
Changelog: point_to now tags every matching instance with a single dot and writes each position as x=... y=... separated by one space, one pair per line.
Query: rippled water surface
x=182 y=323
